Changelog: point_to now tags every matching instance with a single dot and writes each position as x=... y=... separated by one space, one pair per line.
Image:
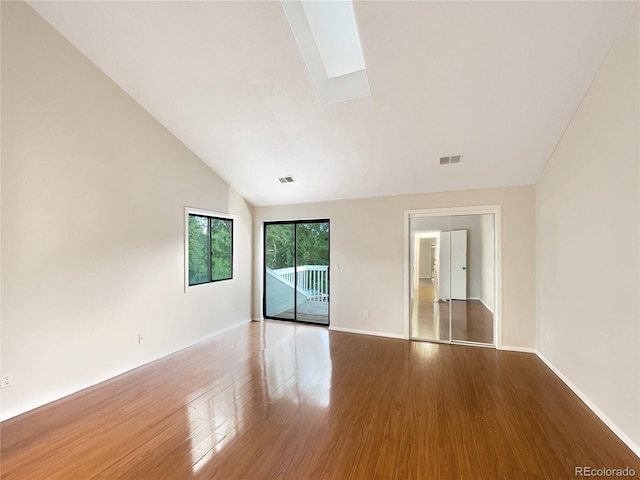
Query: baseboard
x=368 y=332
x=77 y=388
x=635 y=448
x=207 y=337
x=517 y=349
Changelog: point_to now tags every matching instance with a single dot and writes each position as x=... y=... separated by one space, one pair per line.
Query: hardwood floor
x=280 y=400
x=471 y=321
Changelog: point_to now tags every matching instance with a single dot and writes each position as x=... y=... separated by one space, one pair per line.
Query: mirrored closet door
x=452 y=278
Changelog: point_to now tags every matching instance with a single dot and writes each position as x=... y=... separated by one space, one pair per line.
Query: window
x=210 y=248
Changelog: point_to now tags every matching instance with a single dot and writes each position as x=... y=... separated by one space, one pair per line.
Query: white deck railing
x=313 y=280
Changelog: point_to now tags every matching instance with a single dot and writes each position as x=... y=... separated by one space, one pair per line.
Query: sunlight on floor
x=296 y=369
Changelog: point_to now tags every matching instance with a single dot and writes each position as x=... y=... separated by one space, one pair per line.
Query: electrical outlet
x=140 y=338
x=366 y=314
x=6 y=380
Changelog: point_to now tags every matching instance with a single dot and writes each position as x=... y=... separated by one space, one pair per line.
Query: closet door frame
x=456 y=211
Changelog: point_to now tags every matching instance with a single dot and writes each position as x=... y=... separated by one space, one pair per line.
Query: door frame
x=496 y=210
x=295 y=223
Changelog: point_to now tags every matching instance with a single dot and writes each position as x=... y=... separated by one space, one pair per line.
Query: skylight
x=334 y=29
x=327 y=35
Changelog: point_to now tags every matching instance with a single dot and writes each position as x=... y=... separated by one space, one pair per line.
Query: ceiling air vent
x=450 y=159
x=286 y=179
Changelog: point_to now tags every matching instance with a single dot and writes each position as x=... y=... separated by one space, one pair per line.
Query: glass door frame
x=295 y=223
x=457 y=211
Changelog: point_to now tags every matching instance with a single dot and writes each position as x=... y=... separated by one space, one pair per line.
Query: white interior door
x=459 y=264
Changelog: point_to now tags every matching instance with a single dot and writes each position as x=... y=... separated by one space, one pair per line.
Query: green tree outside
x=221 y=249
x=210 y=249
x=312 y=247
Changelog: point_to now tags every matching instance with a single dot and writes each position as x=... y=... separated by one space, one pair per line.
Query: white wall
x=367 y=241
x=93 y=197
x=589 y=318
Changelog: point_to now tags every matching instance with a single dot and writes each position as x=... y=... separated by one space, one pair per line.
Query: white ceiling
x=497 y=81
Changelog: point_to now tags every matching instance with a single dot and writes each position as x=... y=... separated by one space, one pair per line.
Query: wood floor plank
x=285 y=401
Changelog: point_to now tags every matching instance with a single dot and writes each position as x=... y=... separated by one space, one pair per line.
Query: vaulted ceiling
x=495 y=81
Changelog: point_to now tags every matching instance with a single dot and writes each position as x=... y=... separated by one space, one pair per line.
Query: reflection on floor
x=471 y=321
x=274 y=399
x=310 y=311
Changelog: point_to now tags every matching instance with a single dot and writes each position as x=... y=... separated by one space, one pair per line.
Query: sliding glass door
x=296 y=271
x=279 y=247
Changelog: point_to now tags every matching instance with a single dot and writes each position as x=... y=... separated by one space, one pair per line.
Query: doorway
x=453 y=284
x=296 y=271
